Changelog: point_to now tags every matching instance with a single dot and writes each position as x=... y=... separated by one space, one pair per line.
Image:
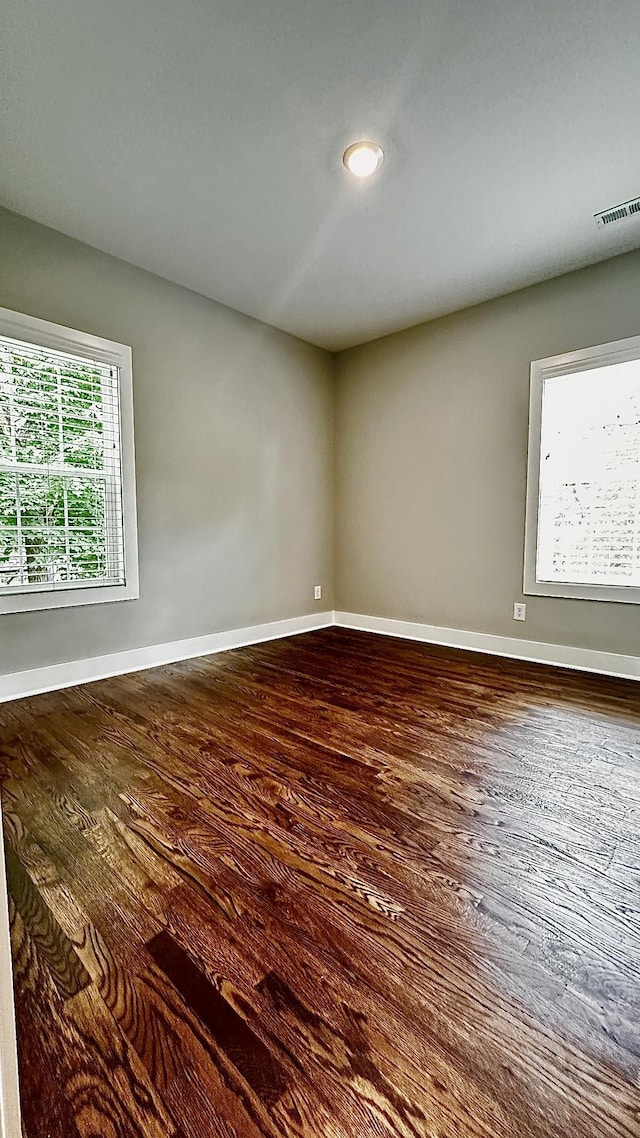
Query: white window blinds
x=589 y=488
x=61 y=522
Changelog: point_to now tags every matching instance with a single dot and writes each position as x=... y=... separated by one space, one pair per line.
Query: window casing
x=67 y=482
x=582 y=536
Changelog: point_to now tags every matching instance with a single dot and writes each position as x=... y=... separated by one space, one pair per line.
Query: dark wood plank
x=230 y=1031
x=337 y=884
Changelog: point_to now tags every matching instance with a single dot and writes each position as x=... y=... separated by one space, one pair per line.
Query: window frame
x=44 y=334
x=568 y=363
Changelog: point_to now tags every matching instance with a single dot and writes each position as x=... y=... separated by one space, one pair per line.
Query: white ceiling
x=202 y=139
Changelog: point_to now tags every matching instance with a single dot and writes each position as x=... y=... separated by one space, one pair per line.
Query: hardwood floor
x=334 y=886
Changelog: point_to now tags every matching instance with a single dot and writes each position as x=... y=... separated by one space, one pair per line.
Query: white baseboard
x=17 y=685
x=559 y=655
x=9 y=1087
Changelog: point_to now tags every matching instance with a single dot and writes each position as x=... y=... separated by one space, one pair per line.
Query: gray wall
x=234 y=448
x=431 y=462
x=234 y=454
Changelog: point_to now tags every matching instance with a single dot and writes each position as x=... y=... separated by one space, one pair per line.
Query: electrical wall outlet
x=519 y=611
x=317 y=593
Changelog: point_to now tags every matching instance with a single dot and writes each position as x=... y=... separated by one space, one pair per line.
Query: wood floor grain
x=334 y=886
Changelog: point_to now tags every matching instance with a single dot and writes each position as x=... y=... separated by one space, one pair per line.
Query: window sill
x=629 y=595
x=67 y=598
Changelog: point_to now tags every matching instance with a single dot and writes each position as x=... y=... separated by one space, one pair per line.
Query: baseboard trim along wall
x=538 y=652
x=9 y=1092
x=17 y=685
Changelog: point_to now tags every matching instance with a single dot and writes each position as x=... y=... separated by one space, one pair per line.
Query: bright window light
x=583 y=515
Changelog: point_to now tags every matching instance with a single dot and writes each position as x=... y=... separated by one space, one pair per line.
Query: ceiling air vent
x=617 y=213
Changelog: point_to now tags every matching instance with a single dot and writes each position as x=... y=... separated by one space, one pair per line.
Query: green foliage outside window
x=52 y=519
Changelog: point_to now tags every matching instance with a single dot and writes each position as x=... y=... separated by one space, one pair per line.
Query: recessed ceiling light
x=362 y=159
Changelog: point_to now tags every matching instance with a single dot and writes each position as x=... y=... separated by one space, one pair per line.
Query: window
x=583 y=492
x=67 y=489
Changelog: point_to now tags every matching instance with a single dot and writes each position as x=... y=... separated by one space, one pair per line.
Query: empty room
x=319 y=569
